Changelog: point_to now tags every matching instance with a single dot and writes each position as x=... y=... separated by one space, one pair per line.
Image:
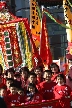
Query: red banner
x=48 y=104
x=17 y=59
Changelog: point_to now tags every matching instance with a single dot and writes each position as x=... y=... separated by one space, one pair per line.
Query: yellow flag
x=35 y=22
x=68 y=19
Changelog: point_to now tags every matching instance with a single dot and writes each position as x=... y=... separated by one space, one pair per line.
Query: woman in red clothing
x=62 y=92
x=55 y=71
x=32 y=94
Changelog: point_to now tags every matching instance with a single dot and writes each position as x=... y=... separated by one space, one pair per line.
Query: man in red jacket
x=46 y=87
x=14 y=98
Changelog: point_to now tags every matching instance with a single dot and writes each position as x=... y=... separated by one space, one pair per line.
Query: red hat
x=69 y=56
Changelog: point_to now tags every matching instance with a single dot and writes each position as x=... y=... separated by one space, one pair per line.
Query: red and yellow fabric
x=17 y=59
x=1 y=58
x=35 y=23
x=3 y=46
x=28 y=53
x=68 y=20
x=37 y=61
x=45 y=52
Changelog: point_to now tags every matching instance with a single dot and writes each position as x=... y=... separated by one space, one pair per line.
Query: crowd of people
x=37 y=85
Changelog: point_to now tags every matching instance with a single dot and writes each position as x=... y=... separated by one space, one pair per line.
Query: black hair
x=13 y=85
x=39 y=68
x=54 y=65
x=48 y=71
x=1 y=68
x=20 y=89
x=9 y=70
x=62 y=76
x=9 y=79
x=32 y=85
x=32 y=73
x=24 y=69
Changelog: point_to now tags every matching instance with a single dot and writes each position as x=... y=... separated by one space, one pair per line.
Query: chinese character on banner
x=35 y=22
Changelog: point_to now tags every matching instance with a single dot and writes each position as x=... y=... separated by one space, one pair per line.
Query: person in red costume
x=9 y=81
x=32 y=94
x=55 y=71
x=24 y=76
x=32 y=78
x=46 y=87
x=39 y=72
x=10 y=73
x=22 y=94
x=62 y=91
x=14 y=98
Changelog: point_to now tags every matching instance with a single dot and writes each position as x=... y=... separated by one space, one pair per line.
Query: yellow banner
x=68 y=19
x=35 y=22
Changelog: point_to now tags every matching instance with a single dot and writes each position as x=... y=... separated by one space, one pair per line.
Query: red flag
x=36 y=57
x=45 y=52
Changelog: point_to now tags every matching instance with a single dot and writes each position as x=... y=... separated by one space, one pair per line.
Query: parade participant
x=24 y=76
x=32 y=94
x=69 y=73
x=55 y=71
x=22 y=95
x=39 y=72
x=10 y=73
x=9 y=81
x=14 y=97
x=62 y=91
x=32 y=78
x=17 y=79
x=46 y=87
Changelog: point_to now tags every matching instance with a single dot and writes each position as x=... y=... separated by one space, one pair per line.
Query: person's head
x=9 y=81
x=55 y=68
x=32 y=88
x=69 y=59
x=24 y=72
x=3 y=91
x=61 y=79
x=32 y=78
x=1 y=69
x=13 y=89
x=17 y=76
x=21 y=91
x=10 y=73
x=47 y=75
x=38 y=72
